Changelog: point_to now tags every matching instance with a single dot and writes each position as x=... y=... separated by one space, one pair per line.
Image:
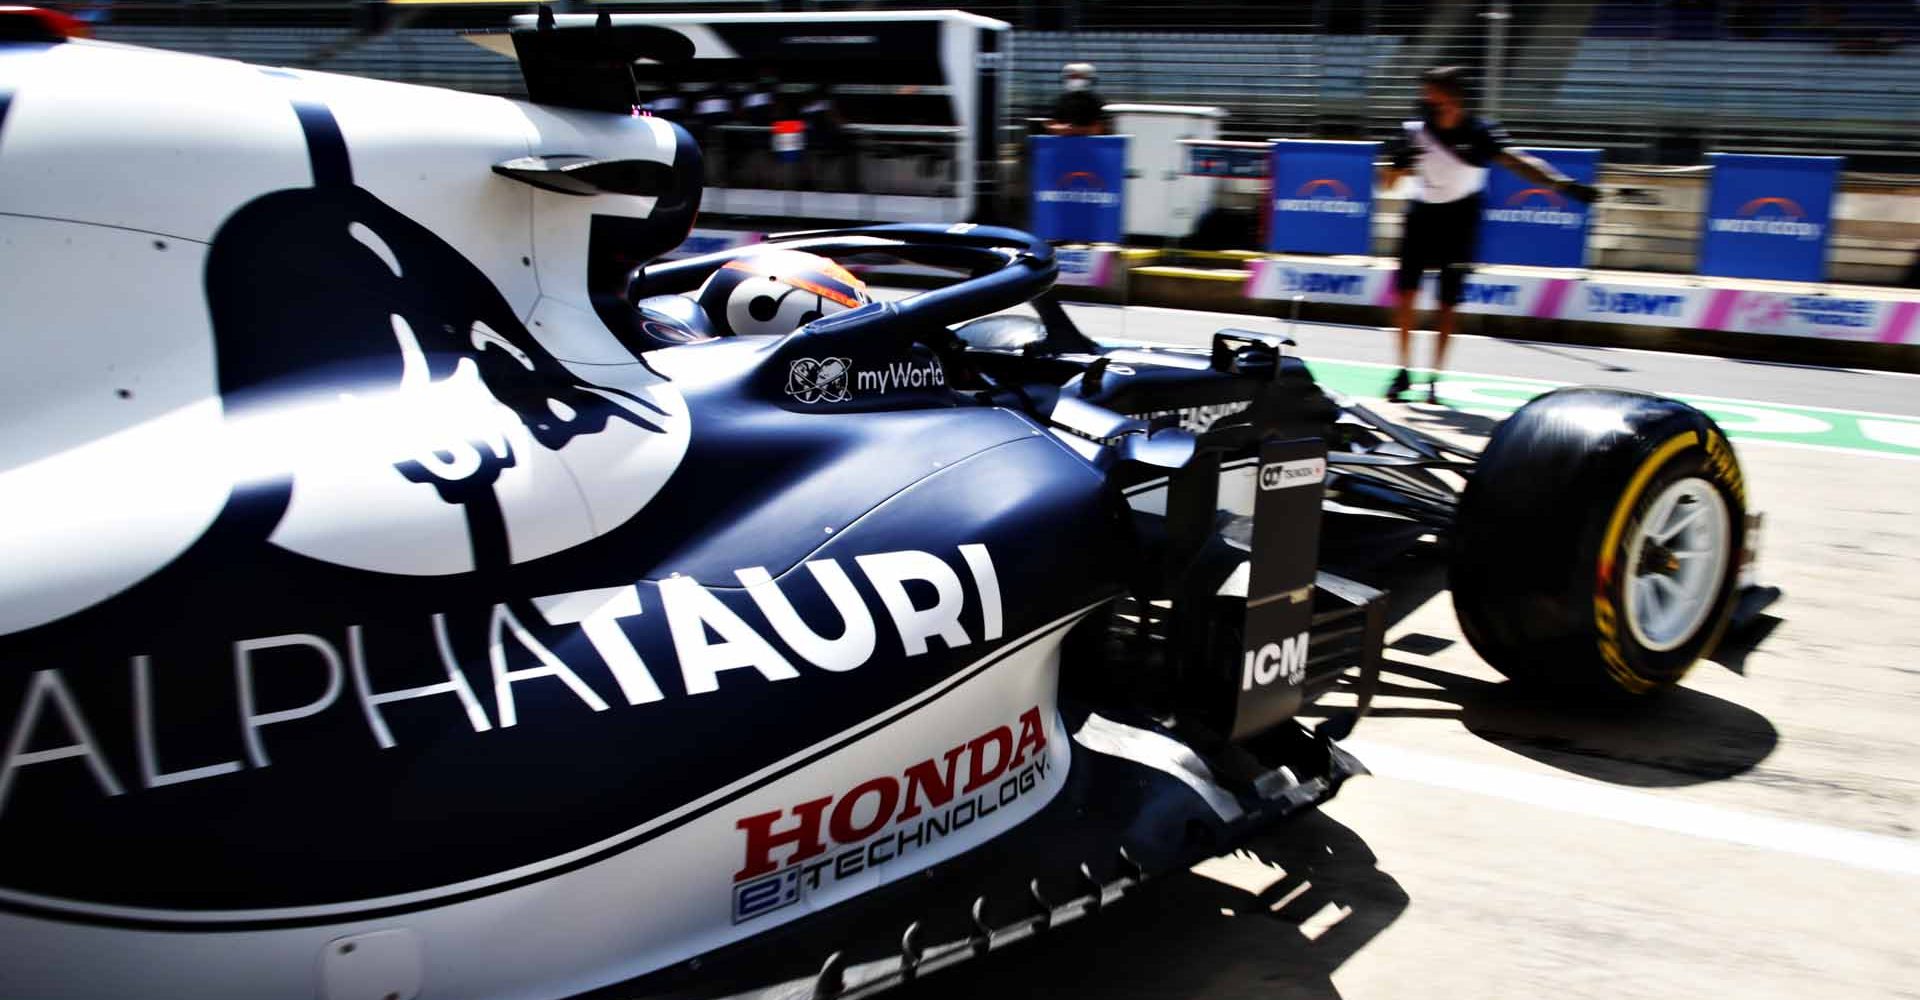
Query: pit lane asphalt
x=1653 y=371
x=1756 y=833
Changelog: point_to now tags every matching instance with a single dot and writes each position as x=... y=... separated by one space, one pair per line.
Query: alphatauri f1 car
x=405 y=594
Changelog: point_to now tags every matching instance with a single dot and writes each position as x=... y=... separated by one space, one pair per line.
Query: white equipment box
x=1161 y=200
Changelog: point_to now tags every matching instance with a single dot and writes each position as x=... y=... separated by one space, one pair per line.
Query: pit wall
x=1824 y=312
x=1766 y=320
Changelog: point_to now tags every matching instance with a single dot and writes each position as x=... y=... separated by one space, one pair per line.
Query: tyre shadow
x=1678 y=737
x=1681 y=736
x=1272 y=920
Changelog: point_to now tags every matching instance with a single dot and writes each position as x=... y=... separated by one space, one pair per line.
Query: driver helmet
x=1079 y=76
x=777 y=292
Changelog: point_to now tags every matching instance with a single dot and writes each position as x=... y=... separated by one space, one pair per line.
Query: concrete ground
x=1755 y=833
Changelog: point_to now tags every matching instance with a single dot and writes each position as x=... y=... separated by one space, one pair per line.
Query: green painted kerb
x=1741 y=419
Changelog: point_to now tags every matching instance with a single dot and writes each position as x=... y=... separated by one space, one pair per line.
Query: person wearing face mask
x=1079 y=110
x=1448 y=150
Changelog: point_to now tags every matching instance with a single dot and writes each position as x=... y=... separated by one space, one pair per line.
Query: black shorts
x=1439 y=237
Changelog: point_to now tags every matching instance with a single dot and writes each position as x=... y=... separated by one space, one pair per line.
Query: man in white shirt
x=1449 y=150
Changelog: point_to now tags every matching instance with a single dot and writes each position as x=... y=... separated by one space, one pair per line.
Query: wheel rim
x=1678 y=556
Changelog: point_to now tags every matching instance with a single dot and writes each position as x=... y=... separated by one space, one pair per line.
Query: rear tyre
x=1598 y=543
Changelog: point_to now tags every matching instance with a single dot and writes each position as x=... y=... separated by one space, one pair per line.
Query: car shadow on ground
x=1682 y=736
x=1678 y=737
x=1272 y=920
x=1444 y=420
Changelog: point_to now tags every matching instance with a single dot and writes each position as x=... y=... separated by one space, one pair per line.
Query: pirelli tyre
x=1598 y=542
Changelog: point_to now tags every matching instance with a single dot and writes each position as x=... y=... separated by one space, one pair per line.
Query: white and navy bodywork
x=407 y=591
x=390 y=607
x=361 y=579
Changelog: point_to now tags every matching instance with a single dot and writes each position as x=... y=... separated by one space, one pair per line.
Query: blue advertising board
x=1769 y=216
x=1322 y=196
x=1078 y=185
x=1524 y=223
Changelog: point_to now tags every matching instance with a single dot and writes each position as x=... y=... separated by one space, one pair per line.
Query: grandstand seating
x=1796 y=80
x=1270 y=84
x=433 y=56
x=1703 y=20
x=1653 y=81
x=1646 y=81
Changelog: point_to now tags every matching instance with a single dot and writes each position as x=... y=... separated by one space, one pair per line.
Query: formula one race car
x=410 y=591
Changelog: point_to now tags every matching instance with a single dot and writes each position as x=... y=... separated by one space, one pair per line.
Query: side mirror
x=1002 y=333
x=585 y=176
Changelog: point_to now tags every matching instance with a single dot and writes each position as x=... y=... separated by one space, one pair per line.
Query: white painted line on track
x=1742 y=439
x=1831 y=449
x=1739 y=439
x=1600 y=801
x=1688 y=356
x=1553 y=383
x=1455 y=373
x=1238 y=317
x=1518 y=341
x=1676 y=355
